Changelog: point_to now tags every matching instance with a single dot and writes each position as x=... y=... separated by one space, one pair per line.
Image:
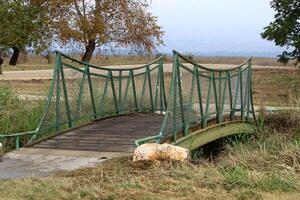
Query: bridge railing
x=199 y=95
x=81 y=93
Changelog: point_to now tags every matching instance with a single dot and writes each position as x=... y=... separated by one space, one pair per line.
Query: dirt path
x=47 y=74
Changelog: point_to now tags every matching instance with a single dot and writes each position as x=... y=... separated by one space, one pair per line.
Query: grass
x=17 y=115
x=261 y=166
x=286 y=83
x=276 y=87
x=264 y=166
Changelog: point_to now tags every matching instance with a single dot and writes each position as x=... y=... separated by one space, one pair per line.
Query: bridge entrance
x=111 y=109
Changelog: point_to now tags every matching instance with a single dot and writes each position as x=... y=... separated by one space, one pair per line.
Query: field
x=261 y=166
x=286 y=82
x=32 y=62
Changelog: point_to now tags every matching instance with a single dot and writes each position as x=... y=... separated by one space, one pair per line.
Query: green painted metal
x=81 y=93
x=150 y=87
x=203 y=136
x=223 y=94
x=92 y=93
x=199 y=97
x=66 y=97
x=58 y=60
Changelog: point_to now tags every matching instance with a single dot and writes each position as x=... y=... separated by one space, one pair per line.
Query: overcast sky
x=214 y=25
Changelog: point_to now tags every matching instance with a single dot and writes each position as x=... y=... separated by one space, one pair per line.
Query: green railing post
x=91 y=93
x=220 y=94
x=120 y=87
x=134 y=90
x=17 y=143
x=157 y=90
x=150 y=88
x=163 y=89
x=216 y=97
x=248 y=94
x=57 y=68
x=180 y=95
x=228 y=74
x=114 y=92
x=200 y=97
x=241 y=91
x=175 y=96
x=161 y=86
x=66 y=96
x=251 y=90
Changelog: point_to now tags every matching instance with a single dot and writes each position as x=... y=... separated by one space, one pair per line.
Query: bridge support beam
x=199 y=138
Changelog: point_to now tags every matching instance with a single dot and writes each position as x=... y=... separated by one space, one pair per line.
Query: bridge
x=108 y=109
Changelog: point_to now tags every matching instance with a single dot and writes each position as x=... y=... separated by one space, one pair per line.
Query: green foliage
x=285 y=29
x=16 y=115
x=277 y=182
x=21 y=24
x=236 y=177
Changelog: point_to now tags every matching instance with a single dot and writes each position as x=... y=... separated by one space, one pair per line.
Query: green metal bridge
x=114 y=109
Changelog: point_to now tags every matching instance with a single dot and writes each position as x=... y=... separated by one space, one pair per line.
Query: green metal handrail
x=64 y=111
x=231 y=84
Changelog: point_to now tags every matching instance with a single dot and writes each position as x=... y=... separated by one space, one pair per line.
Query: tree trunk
x=1 y=61
x=14 y=59
x=89 y=49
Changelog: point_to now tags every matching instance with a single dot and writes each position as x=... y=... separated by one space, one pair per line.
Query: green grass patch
x=18 y=115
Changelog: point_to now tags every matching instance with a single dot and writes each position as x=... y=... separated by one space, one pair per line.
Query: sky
x=215 y=27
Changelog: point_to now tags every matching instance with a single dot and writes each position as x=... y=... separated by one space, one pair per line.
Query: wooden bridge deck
x=109 y=135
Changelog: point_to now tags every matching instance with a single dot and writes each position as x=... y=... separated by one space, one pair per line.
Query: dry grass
x=263 y=166
x=276 y=87
x=27 y=87
x=271 y=87
x=34 y=62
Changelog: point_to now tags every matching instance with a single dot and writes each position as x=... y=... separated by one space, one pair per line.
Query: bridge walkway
x=108 y=135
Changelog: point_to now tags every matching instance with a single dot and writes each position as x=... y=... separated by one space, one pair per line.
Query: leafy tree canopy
x=21 y=25
x=285 y=29
x=119 y=23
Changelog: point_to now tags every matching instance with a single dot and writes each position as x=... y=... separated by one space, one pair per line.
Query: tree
x=1 y=61
x=119 y=23
x=285 y=29
x=21 y=25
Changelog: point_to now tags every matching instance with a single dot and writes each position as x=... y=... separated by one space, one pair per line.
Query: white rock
x=158 y=112
x=1 y=145
x=153 y=151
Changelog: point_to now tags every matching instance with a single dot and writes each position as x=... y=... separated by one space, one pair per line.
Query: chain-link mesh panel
x=81 y=93
x=199 y=95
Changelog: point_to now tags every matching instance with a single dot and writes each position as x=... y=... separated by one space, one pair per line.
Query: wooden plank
x=114 y=134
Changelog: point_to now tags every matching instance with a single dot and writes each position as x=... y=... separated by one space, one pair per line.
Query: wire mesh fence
x=81 y=93
x=199 y=94
x=191 y=97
